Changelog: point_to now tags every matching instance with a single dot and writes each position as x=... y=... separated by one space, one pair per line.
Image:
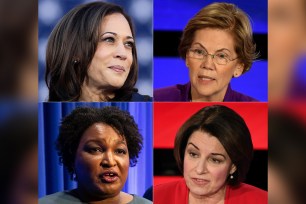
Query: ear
x=187 y=61
x=233 y=169
x=238 y=70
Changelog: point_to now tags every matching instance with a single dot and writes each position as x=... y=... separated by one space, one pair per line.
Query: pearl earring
x=231 y=177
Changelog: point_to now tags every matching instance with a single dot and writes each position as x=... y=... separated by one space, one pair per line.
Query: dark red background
x=168 y=117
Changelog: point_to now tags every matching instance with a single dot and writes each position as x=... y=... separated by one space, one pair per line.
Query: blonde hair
x=228 y=17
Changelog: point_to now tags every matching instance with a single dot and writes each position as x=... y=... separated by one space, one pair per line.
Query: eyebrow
x=190 y=143
x=103 y=141
x=115 y=34
x=214 y=154
x=206 y=49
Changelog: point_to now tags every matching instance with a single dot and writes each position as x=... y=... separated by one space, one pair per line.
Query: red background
x=168 y=117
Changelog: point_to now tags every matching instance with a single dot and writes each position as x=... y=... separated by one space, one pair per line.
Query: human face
x=206 y=165
x=113 y=58
x=209 y=81
x=101 y=162
x=287 y=40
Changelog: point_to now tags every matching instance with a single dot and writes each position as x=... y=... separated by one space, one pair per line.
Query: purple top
x=181 y=92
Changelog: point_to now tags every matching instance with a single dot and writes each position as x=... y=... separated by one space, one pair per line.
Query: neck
x=92 y=93
x=216 y=198
x=216 y=97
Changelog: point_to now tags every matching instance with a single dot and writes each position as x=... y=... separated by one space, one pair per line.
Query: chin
x=198 y=192
x=205 y=93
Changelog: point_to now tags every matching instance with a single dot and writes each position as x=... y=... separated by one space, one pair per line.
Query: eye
x=121 y=151
x=193 y=154
x=215 y=160
x=94 y=150
x=108 y=40
x=222 y=55
x=199 y=51
x=129 y=44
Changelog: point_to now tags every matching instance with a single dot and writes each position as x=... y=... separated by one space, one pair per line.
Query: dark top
x=182 y=92
x=139 y=97
x=68 y=198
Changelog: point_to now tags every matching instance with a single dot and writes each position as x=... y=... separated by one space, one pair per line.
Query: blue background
x=141 y=11
x=53 y=177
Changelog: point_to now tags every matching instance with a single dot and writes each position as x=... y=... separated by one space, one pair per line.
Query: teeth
x=109 y=174
x=205 y=78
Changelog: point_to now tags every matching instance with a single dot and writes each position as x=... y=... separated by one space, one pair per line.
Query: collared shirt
x=182 y=92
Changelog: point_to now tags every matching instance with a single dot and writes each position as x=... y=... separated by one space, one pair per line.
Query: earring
x=231 y=176
x=75 y=61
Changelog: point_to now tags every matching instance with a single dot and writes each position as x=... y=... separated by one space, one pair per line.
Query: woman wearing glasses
x=217 y=45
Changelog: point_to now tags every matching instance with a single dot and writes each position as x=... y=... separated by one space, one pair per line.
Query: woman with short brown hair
x=217 y=45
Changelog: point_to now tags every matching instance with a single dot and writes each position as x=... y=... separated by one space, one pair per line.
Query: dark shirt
x=138 y=97
x=181 y=92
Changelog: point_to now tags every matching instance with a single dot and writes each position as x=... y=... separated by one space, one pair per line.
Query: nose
x=108 y=160
x=208 y=62
x=201 y=167
x=121 y=52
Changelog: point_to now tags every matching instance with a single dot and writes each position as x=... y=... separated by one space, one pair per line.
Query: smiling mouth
x=109 y=177
x=117 y=68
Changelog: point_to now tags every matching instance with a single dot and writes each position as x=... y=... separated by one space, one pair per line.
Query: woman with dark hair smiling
x=213 y=149
x=91 y=56
x=97 y=146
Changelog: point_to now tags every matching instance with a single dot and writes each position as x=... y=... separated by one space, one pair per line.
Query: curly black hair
x=75 y=124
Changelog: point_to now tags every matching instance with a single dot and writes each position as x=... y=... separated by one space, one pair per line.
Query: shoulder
x=139 y=200
x=232 y=95
x=138 y=97
x=171 y=192
x=59 y=197
x=179 y=92
x=245 y=194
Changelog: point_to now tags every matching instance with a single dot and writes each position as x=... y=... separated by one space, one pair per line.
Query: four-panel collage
x=153 y=101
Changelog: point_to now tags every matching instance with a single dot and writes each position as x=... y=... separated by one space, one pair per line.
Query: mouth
x=199 y=181
x=205 y=78
x=109 y=177
x=117 y=68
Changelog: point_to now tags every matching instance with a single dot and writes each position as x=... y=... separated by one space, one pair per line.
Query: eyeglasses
x=220 y=58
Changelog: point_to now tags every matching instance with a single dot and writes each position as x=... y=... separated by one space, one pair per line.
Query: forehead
x=206 y=142
x=101 y=132
x=116 y=23
x=214 y=39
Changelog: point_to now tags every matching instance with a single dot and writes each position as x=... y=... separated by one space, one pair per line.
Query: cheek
x=124 y=166
x=193 y=68
x=130 y=58
x=188 y=166
x=219 y=174
x=225 y=73
x=86 y=165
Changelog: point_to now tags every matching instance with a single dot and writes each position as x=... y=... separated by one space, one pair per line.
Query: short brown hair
x=228 y=127
x=223 y=16
x=71 y=47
